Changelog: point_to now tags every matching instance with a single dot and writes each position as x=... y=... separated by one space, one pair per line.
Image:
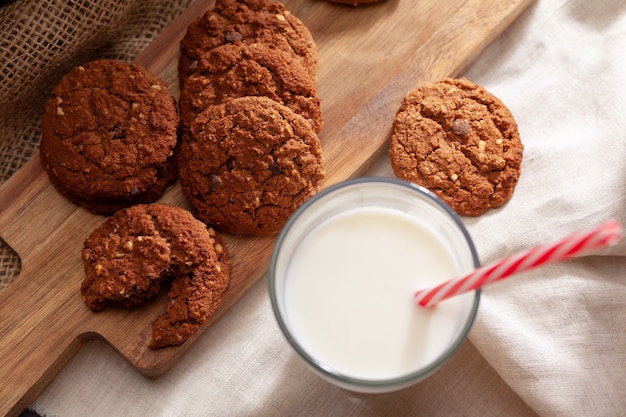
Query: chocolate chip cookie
x=461 y=142
x=247 y=21
x=138 y=249
x=247 y=164
x=237 y=70
x=109 y=136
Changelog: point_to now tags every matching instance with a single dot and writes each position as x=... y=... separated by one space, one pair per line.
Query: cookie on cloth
x=461 y=142
x=247 y=21
x=247 y=164
x=109 y=136
x=136 y=250
x=237 y=70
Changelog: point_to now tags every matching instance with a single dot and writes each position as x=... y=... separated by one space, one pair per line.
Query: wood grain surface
x=370 y=56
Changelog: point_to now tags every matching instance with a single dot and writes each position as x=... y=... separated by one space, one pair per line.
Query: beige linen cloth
x=550 y=342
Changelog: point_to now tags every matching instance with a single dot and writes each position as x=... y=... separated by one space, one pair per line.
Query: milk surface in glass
x=349 y=294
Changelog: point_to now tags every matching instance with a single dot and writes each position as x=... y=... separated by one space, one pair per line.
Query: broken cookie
x=137 y=250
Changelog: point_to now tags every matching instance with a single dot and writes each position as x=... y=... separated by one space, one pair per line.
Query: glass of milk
x=342 y=277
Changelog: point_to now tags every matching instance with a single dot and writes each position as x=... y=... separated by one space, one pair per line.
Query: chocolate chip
x=275 y=168
x=461 y=127
x=215 y=181
x=233 y=36
x=118 y=132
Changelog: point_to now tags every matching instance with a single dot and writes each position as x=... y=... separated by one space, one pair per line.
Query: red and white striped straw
x=607 y=233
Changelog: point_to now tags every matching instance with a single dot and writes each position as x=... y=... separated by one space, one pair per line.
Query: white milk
x=349 y=294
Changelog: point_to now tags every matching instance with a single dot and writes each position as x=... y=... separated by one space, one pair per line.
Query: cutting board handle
x=42 y=316
x=38 y=338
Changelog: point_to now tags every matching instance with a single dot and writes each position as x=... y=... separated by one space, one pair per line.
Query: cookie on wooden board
x=461 y=142
x=135 y=251
x=237 y=70
x=109 y=135
x=194 y=298
x=247 y=164
x=247 y=21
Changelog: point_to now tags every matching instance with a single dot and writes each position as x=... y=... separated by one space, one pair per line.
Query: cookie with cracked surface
x=134 y=252
x=109 y=136
x=194 y=298
x=247 y=164
x=237 y=70
x=461 y=142
x=247 y=21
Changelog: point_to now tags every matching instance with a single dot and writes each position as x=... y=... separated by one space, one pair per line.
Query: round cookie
x=109 y=136
x=237 y=70
x=461 y=142
x=247 y=164
x=133 y=252
x=249 y=21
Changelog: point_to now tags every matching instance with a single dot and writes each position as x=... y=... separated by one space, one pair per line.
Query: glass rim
x=328 y=371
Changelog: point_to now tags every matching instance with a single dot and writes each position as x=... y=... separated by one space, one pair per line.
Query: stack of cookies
x=109 y=143
x=250 y=154
x=110 y=135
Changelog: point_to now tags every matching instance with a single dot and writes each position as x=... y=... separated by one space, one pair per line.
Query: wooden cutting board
x=369 y=57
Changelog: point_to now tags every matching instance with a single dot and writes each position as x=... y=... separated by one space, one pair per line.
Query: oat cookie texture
x=461 y=142
x=249 y=21
x=237 y=70
x=247 y=164
x=109 y=136
x=137 y=250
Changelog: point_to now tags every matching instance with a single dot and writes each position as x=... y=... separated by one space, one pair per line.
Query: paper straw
x=607 y=233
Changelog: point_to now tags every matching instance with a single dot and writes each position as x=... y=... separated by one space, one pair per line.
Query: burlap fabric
x=40 y=41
